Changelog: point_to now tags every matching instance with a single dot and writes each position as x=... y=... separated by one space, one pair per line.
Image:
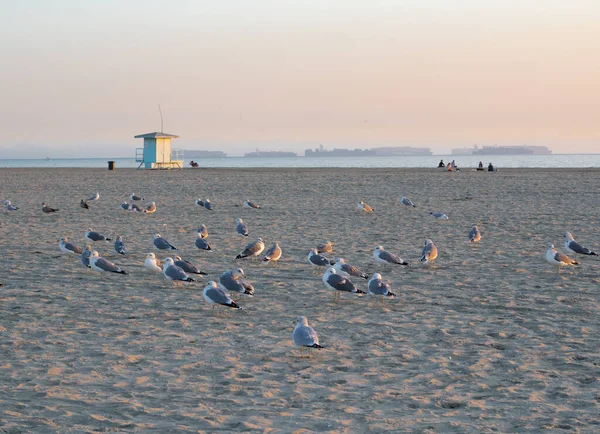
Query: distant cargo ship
x=338 y=152
x=203 y=154
x=503 y=150
x=270 y=154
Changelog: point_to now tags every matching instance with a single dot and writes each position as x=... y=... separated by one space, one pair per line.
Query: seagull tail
x=122 y=272
x=234 y=304
x=391 y=295
x=266 y=259
x=317 y=346
x=189 y=279
x=360 y=291
x=107 y=239
x=593 y=254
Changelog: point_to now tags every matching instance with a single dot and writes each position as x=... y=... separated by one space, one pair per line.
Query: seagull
x=48 y=209
x=250 y=204
x=318 y=260
x=304 y=335
x=120 y=245
x=134 y=197
x=325 y=248
x=175 y=273
x=125 y=206
x=406 y=201
x=439 y=215
x=93 y=198
x=215 y=295
x=364 y=207
x=429 y=252
x=474 y=235
x=162 y=244
x=85 y=256
x=233 y=281
x=187 y=266
x=67 y=247
x=151 y=208
x=92 y=236
x=200 y=202
x=135 y=207
x=201 y=243
x=208 y=205
x=572 y=246
x=151 y=263
x=10 y=206
x=347 y=270
x=84 y=204
x=253 y=249
x=386 y=257
x=377 y=286
x=273 y=254
x=98 y=263
x=338 y=283
x=202 y=231
x=241 y=227
x=559 y=259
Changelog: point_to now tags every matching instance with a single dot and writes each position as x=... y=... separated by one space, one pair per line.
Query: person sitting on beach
x=193 y=163
x=454 y=166
x=491 y=167
x=442 y=165
x=480 y=165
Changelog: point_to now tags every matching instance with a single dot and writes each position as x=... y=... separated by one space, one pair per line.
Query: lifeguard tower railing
x=176 y=159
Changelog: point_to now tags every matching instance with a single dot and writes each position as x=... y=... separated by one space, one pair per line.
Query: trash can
x=111 y=165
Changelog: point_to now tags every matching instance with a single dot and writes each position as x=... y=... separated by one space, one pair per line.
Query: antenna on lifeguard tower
x=161 y=119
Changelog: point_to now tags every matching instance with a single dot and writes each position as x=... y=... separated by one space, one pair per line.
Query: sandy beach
x=488 y=339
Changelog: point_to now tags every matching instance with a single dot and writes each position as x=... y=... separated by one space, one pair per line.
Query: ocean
x=463 y=162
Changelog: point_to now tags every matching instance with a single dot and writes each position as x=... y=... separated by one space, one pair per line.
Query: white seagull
x=304 y=335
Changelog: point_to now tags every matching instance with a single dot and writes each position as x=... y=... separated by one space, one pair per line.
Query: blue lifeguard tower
x=157 y=152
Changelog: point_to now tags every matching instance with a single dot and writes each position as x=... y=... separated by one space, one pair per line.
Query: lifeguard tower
x=157 y=152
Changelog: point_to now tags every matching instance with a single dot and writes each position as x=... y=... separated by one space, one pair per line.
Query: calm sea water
x=500 y=161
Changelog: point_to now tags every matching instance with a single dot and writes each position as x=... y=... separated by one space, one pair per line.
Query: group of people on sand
x=194 y=164
x=452 y=166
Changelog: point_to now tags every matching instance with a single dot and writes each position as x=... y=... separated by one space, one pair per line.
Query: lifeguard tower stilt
x=157 y=152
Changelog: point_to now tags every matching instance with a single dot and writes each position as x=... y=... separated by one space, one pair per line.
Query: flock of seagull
x=337 y=275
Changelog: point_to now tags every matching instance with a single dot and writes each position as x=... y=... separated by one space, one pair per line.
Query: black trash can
x=111 y=165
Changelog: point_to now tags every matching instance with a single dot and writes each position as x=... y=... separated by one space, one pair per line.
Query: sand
x=489 y=339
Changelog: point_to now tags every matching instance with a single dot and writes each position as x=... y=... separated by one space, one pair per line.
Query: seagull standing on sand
x=201 y=243
x=252 y=250
x=572 y=246
x=304 y=335
x=406 y=201
x=125 y=206
x=134 y=197
x=200 y=202
x=439 y=215
x=98 y=263
x=151 y=263
x=339 y=284
x=120 y=245
x=429 y=253
x=318 y=260
x=474 y=235
x=241 y=227
x=175 y=273
x=151 y=208
x=214 y=295
x=162 y=244
x=92 y=236
x=385 y=257
x=47 y=209
x=234 y=281
x=85 y=256
x=10 y=206
x=93 y=198
x=187 y=266
x=67 y=247
x=559 y=259
x=202 y=231
x=347 y=270
x=364 y=207
x=377 y=286
x=273 y=254
x=208 y=205
x=250 y=204
x=84 y=204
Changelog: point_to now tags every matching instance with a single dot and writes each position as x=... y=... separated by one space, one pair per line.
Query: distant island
x=373 y=152
x=203 y=154
x=503 y=150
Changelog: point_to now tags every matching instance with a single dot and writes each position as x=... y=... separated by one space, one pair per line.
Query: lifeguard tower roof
x=156 y=135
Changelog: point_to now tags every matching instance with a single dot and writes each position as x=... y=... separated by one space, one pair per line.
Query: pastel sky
x=80 y=78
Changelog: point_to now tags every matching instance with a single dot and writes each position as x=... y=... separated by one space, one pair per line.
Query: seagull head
x=302 y=321
x=94 y=254
x=550 y=246
x=376 y=276
x=151 y=256
x=157 y=236
x=238 y=272
x=168 y=261
x=178 y=258
x=568 y=236
x=239 y=220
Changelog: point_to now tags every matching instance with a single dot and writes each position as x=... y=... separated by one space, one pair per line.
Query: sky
x=80 y=78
